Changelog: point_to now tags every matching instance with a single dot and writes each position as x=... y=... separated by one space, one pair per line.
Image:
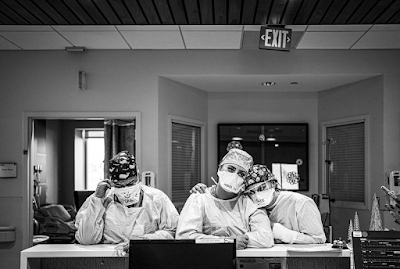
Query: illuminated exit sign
x=275 y=38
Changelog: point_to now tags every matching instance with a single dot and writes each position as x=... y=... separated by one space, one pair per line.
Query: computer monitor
x=376 y=249
x=182 y=254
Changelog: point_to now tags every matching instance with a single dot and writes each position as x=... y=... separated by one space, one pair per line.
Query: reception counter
x=281 y=256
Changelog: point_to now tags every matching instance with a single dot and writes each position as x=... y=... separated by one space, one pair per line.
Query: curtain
x=119 y=135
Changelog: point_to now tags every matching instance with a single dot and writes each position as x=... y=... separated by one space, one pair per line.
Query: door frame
x=27 y=186
x=324 y=184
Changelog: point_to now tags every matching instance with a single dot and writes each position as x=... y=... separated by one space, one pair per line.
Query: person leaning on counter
x=294 y=217
x=222 y=212
x=122 y=208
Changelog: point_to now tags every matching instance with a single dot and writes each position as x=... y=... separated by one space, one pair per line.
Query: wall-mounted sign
x=275 y=38
x=8 y=170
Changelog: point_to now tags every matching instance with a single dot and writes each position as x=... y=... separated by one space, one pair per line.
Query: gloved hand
x=102 y=188
x=242 y=241
x=122 y=249
x=199 y=188
x=282 y=233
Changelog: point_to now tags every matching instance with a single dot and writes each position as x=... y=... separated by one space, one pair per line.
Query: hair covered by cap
x=234 y=145
x=258 y=173
x=122 y=166
x=238 y=157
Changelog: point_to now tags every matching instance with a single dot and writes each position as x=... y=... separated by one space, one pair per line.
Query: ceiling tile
x=292 y=27
x=96 y=40
x=7 y=45
x=36 y=40
x=83 y=28
x=338 y=28
x=379 y=40
x=211 y=27
x=328 y=40
x=385 y=27
x=212 y=39
x=147 y=27
x=26 y=28
x=153 y=39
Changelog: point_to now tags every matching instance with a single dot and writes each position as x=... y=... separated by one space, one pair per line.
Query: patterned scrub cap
x=234 y=145
x=258 y=173
x=122 y=166
x=238 y=157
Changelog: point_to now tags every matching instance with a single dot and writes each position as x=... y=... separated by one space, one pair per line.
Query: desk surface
x=108 y=250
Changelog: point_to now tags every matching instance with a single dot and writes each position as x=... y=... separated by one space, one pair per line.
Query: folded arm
x=89 y=221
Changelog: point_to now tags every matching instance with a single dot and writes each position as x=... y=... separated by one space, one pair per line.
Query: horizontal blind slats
x=347 y=157
x=185 y=160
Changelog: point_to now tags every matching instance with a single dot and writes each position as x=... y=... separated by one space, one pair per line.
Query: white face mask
x=263 y=198
x=128 y=195
x=230 y=182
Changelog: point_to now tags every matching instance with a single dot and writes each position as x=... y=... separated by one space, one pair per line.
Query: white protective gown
x=98 y=221
x=299 y=213
x=205 y=216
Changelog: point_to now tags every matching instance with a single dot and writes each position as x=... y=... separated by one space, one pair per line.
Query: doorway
x=31 y=169
x=345 y=170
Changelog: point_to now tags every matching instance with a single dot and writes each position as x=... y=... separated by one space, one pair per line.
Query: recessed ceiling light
x=268 y=83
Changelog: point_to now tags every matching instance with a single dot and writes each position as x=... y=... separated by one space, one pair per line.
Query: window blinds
x=346 y=158
x=186 y=160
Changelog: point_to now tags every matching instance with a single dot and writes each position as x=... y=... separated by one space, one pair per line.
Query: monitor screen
x=376 y=249
x=181 y=254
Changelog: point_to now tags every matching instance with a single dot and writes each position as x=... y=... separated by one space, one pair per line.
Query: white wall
x=179 y=100
x=356 y=99
x=34 y=81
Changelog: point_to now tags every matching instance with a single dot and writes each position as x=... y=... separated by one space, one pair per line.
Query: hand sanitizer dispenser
x=148 y=178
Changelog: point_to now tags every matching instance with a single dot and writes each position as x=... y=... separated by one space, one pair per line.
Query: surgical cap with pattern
x=234 y=145
x=122 y=166
x=238 y=157
x=258 y=173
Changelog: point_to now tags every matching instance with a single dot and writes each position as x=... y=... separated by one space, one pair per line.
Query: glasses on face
x=266 y=185
x=233 y=169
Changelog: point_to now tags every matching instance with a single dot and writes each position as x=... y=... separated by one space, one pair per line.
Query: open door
x=43 y=158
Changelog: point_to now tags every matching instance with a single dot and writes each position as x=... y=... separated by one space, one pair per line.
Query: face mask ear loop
x=214 y=181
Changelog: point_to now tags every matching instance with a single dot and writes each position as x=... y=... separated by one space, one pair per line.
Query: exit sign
x=275 y=38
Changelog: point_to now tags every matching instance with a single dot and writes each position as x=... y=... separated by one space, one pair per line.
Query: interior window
x=89 y=158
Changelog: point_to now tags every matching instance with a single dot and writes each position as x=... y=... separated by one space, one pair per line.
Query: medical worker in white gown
x=222 y=212
x=122 y=208
x=294 y=217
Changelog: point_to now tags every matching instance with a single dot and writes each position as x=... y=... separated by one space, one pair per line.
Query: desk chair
x=80 y=198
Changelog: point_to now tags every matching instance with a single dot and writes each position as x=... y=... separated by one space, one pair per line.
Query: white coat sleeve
x=89 y=221
x=168 y=219
x=260 y=234
x=310 y=225
x=190 y=224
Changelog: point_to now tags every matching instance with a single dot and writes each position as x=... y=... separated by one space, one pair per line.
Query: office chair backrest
x=80 y=198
